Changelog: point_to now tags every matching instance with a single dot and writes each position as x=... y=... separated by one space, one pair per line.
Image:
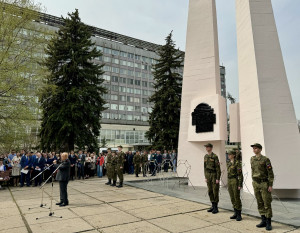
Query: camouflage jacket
x=137 y=159
x=234 y=170
x=120 y=158
x=109 y=159
x=262 y=169
x=212 y=165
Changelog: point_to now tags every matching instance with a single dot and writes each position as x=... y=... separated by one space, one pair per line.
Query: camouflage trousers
x=213 y=187
x=144 y=168
x=113 y=172
x=137 y=168
x=234 y=193
x=108 y=171
x=264 y=198
x=119 y=172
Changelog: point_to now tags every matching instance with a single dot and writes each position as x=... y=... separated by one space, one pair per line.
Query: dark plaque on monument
x=203 y=118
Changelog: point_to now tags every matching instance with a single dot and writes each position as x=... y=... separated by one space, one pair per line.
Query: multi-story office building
x=129 y=80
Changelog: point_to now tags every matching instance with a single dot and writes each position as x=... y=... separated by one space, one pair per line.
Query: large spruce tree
x=165 y=116
x=72 y=97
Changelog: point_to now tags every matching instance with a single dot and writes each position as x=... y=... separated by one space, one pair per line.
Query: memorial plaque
x=204 y=118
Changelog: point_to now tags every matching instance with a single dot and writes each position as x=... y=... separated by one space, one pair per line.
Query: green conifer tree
x=165 y=116
x=72 y=97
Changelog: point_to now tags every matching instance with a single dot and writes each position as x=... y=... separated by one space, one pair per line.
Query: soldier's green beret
x=209 y=145
x=257 y=145
x=120 y=146
x=232 y=152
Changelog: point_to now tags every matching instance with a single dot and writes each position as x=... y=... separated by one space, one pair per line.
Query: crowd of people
x=23 y=165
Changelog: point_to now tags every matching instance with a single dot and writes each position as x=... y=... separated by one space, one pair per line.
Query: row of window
x=115 y=116
x=129 y=81
x=118 y=137
x=123 y=71
x=124 y=63
x=128 y=108
x=117 y=88
x=125 y=54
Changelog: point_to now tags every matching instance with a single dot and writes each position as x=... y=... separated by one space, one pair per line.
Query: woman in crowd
x=16 y=169
x=87 y=165
x=100 y=163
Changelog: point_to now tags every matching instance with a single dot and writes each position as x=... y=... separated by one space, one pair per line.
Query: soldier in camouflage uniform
x=114 y=168
x=144 y=163
x=235 y=183
x=212 y=173
x=108 y=166
x=120 y=163
x=137 y=161
x=262 y=177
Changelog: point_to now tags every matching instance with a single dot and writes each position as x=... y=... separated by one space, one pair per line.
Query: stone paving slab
x=11 y=222
x=17 y=230
x=94 y=210
x=64 y=226
x=137 y=227
x=179 y=223
x=110 y=219
x=212 y=229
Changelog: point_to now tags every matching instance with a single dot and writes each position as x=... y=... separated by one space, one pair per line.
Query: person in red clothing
x=100 y=163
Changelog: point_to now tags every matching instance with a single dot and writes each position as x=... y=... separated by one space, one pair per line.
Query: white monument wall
x=267 y=114
x=201 y=84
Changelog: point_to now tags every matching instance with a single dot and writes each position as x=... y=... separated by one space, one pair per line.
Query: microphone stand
x=42 y=205
x=51 y=213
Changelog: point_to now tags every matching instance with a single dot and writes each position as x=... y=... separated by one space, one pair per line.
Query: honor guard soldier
x=113 y=168
x=235 y=183
x=120 y=164
x=144 y=163
x=263 y=177
x=108 y=166
x=137 y=160
x=212 y=173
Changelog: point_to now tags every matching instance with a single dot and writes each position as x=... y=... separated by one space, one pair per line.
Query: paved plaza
x=96 y=207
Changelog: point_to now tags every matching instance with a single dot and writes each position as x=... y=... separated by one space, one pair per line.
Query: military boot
x=109 y=182
x=268 y=224
x=114 y=183
x=234 y=215
x=215 y=209
x=263 y=222
x=211 y=208
x=120 y=184
x=239 y=215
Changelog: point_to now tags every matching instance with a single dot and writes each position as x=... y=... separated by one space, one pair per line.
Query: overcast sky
x=152 y=20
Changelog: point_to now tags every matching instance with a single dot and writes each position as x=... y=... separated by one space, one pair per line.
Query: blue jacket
x=159 y=158
x=26 y=162
x=40 y=164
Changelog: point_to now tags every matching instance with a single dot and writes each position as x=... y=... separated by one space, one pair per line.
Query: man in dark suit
x=26 y=165
x=63 y=176
x=38 y=166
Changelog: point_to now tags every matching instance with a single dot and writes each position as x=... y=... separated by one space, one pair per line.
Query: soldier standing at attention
x=137 y=160
x=108 y=166
x=263 y=177
x=120 y=164
x=235 y=183
x=113 y=168
x=212 y=173
x=144 y=163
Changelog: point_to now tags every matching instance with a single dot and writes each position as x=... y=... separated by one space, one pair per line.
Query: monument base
x=196 y=160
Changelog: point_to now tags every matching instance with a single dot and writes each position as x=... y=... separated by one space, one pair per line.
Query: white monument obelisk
x=201 y=85
x=267 y=114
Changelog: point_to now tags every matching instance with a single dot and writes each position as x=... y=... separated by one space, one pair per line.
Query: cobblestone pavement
x=96 y=207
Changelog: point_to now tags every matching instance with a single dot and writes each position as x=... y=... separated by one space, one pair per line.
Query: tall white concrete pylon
x=201 y=84
x=267 y=114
